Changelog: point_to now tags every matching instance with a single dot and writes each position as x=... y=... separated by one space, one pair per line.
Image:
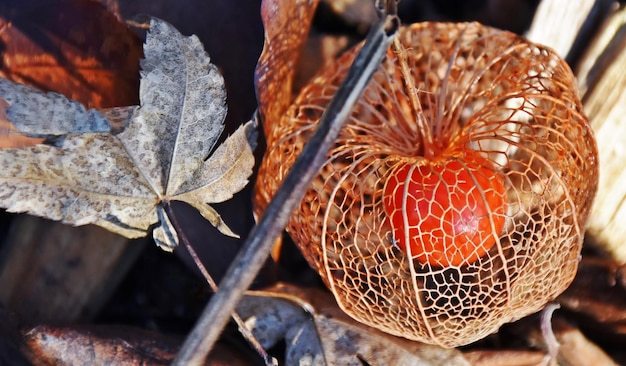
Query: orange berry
x=448 y=211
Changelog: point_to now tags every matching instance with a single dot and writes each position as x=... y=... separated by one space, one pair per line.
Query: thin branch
x=257 y=247
x=243 y=328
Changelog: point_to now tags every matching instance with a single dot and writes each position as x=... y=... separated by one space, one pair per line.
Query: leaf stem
x=243 y=328
x=257 y=247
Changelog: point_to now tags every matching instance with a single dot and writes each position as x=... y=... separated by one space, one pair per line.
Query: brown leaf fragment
x=577 y=350
x=317 y=332
x=574 y=348
x=286 y=24
x=505 y=357
x=76 y=48
x=114 y=345
x=598 y=295
x=74 y=346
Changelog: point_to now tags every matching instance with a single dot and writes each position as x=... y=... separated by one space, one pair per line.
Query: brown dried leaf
x=76 y=48
x=505 y=357
x=598 y=293
x=573 y=348
x=91 y=173
x=577 y=350
x=102 y=345
x=286 y=24
x=48 y=345
x=317 y=332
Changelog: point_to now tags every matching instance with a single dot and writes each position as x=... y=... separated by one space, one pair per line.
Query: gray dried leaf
x=317 y=332
x=30 y=108
x=119 y=168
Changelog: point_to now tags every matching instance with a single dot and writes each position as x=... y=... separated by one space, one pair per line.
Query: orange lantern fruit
x=455 y=197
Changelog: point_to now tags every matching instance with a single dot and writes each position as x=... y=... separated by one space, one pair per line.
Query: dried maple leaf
x=74 y=47
x=120 y=168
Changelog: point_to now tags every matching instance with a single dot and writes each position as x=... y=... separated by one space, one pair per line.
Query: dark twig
x=257 y=247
